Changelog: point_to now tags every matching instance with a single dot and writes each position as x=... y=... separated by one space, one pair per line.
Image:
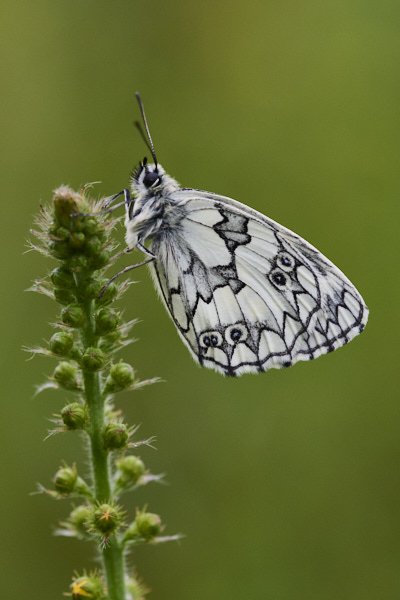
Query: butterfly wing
x=247 y=294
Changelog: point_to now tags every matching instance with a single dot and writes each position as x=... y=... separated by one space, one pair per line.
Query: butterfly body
x=245 y=293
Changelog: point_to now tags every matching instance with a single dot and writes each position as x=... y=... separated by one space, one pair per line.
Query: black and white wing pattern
x=245 y=293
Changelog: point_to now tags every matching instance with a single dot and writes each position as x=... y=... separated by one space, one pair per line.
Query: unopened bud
x=88 y=587
x=93 y=245
x=146 y=526
x=73 y=316
x=80 y=518
x=74 y=416
x=77 y=240
x=129 y=470
x=62 y=278
x=67 y=202
x=77 y=263
x=108 y=294
x=115 y=436
x=91 y=289
x=92 y=226
x=66 y=375
x=64 y=296
x=61 y=343
x=107 y=320
x=100 y=260
x=136 y=588
x=62 y=234
x=59 y=249
x=65 y=479
x=121 y=377
x=93 y=359
x=107 y=518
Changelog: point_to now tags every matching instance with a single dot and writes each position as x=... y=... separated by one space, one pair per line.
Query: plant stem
x=112 y=552
x=114 y=568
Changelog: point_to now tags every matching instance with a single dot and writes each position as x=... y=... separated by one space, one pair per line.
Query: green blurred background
x=285 y=484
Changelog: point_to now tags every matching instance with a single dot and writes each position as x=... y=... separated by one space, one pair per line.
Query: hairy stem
x=112 y=552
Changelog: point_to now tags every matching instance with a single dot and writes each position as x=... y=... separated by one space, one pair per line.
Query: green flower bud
x=61 y=342
x=59 y=250
x=80 y=518
x=91 y=289
x=78 y=263
x=93 y=245
x=82 y=489
x=65 y=479
x=106 y=519
x=146 y=526
x=77 y=241
x=100 y=260
x=73 y=316
x=121 y=377
x=62 y=278
x=67 y=202
x=129 y=470
x=88 y=587
x=93 y=359
x=107 y=319
x=62 y=234
x=75 y=353
x=115 y=436
x=108 y=295
x=74 y=416
x=64 y=296
x=112 y=340
x=66 y=375
x=78 y=223
x=136 y=588
x=91 y=226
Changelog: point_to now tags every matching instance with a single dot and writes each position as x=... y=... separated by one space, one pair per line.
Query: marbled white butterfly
x=245 y=293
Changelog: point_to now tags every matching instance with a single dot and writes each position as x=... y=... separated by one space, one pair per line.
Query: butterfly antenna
x=142 y=134
x=149 y=141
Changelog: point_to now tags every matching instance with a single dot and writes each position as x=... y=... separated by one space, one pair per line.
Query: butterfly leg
x=129 y=268
x=125 y=193
x=126 y=202
x=139 y=246
x=145 y=250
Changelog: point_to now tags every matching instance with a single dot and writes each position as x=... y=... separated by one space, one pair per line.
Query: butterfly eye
x=211 y=339
x=151 y=178
x=236 y=333
x=285 y=261
x=278 y=278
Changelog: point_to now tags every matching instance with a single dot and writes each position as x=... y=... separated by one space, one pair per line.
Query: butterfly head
x=146 y=177
x=150 y=180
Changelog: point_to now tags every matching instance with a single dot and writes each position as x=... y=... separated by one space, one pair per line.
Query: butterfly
x=245 y=293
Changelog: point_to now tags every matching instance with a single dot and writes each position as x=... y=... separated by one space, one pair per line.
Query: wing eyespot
x=278 y=278
x=234 y=334
x=211 y=339
x=285 y=261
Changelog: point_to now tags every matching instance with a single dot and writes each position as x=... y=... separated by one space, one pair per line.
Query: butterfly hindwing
x=247 y=294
